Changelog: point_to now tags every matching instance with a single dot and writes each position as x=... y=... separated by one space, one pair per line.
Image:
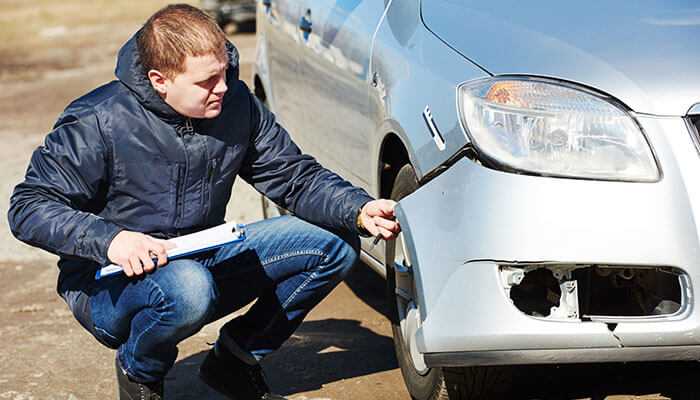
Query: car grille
x=694 y=125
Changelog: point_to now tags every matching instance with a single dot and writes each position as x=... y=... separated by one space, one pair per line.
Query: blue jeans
x=287 y=264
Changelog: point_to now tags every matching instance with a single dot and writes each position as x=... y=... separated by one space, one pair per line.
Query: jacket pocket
x=145 y=195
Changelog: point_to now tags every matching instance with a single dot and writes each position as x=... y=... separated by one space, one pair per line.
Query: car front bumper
x=562 y=356
x=467 y=222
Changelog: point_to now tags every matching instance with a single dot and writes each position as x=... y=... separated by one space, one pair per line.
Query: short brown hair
x=175 y=32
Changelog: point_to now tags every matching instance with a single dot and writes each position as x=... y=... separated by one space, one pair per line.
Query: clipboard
x=187 y=245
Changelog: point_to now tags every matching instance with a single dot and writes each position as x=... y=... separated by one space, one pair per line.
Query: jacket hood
x=130 y=72
x=644 y=53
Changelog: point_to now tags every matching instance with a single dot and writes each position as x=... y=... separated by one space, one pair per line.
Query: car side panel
x=277 y=29
x=414 y=69
x=334 y=69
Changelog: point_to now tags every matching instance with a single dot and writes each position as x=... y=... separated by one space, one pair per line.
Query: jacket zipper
x=182 y=177
x=209 y=188
x=178 y=184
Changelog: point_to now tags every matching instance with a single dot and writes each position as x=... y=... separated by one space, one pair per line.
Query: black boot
x=234 y=378
x=130 y=390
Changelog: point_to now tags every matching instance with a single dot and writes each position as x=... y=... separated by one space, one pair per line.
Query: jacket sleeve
x=65 y=181
x=276 y=167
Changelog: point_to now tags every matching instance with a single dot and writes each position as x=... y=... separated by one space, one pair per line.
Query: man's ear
x=158 y=81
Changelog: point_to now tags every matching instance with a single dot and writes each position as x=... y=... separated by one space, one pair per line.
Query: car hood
x=644 y=53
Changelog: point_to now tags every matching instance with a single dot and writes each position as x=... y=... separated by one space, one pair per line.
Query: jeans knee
x=189 y=292
x=345 y=253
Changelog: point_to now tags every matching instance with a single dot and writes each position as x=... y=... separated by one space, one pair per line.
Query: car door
x=336 y=41
x=279 y=33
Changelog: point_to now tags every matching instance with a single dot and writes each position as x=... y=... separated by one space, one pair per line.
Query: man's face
x=199 y=91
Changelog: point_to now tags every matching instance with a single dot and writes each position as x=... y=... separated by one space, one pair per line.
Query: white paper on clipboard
x=193 y=243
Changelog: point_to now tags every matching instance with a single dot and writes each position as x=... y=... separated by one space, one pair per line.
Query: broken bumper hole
x=595 y=292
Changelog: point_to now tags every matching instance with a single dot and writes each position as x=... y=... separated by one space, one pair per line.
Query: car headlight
x=550 y=128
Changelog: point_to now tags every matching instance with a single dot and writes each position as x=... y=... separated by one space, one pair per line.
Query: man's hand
x=135 y=252
x=377 y=217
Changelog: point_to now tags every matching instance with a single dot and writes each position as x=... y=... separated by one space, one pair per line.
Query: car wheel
x=425 y=383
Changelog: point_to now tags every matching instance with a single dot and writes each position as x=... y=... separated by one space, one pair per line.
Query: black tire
x=469 y=383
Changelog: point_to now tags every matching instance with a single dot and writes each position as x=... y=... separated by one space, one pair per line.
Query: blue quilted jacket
x=120 y=158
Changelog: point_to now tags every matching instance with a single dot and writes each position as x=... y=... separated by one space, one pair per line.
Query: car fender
x=414 y=73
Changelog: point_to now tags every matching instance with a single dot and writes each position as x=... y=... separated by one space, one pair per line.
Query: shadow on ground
x=319 y=352
x=370 y=288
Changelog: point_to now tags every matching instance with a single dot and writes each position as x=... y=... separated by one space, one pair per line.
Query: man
x=153 y=155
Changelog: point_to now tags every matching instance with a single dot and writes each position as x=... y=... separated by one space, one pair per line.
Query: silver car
x=547 y=160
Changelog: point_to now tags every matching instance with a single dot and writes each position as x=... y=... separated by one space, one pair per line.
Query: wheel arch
x=393 y=154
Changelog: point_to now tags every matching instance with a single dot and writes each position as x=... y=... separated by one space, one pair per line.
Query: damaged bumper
x=474 y=234
x=563 y=356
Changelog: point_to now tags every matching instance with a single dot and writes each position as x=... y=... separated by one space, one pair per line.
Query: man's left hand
x=377 y=217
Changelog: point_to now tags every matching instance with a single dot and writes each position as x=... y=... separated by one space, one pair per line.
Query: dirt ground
x=52 y=51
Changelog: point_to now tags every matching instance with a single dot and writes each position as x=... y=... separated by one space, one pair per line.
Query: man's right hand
x=134 y=252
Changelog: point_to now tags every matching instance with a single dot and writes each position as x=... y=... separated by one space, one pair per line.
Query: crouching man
x=153 y=155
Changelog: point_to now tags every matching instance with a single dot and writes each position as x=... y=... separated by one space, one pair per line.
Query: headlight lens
x=539 y=126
